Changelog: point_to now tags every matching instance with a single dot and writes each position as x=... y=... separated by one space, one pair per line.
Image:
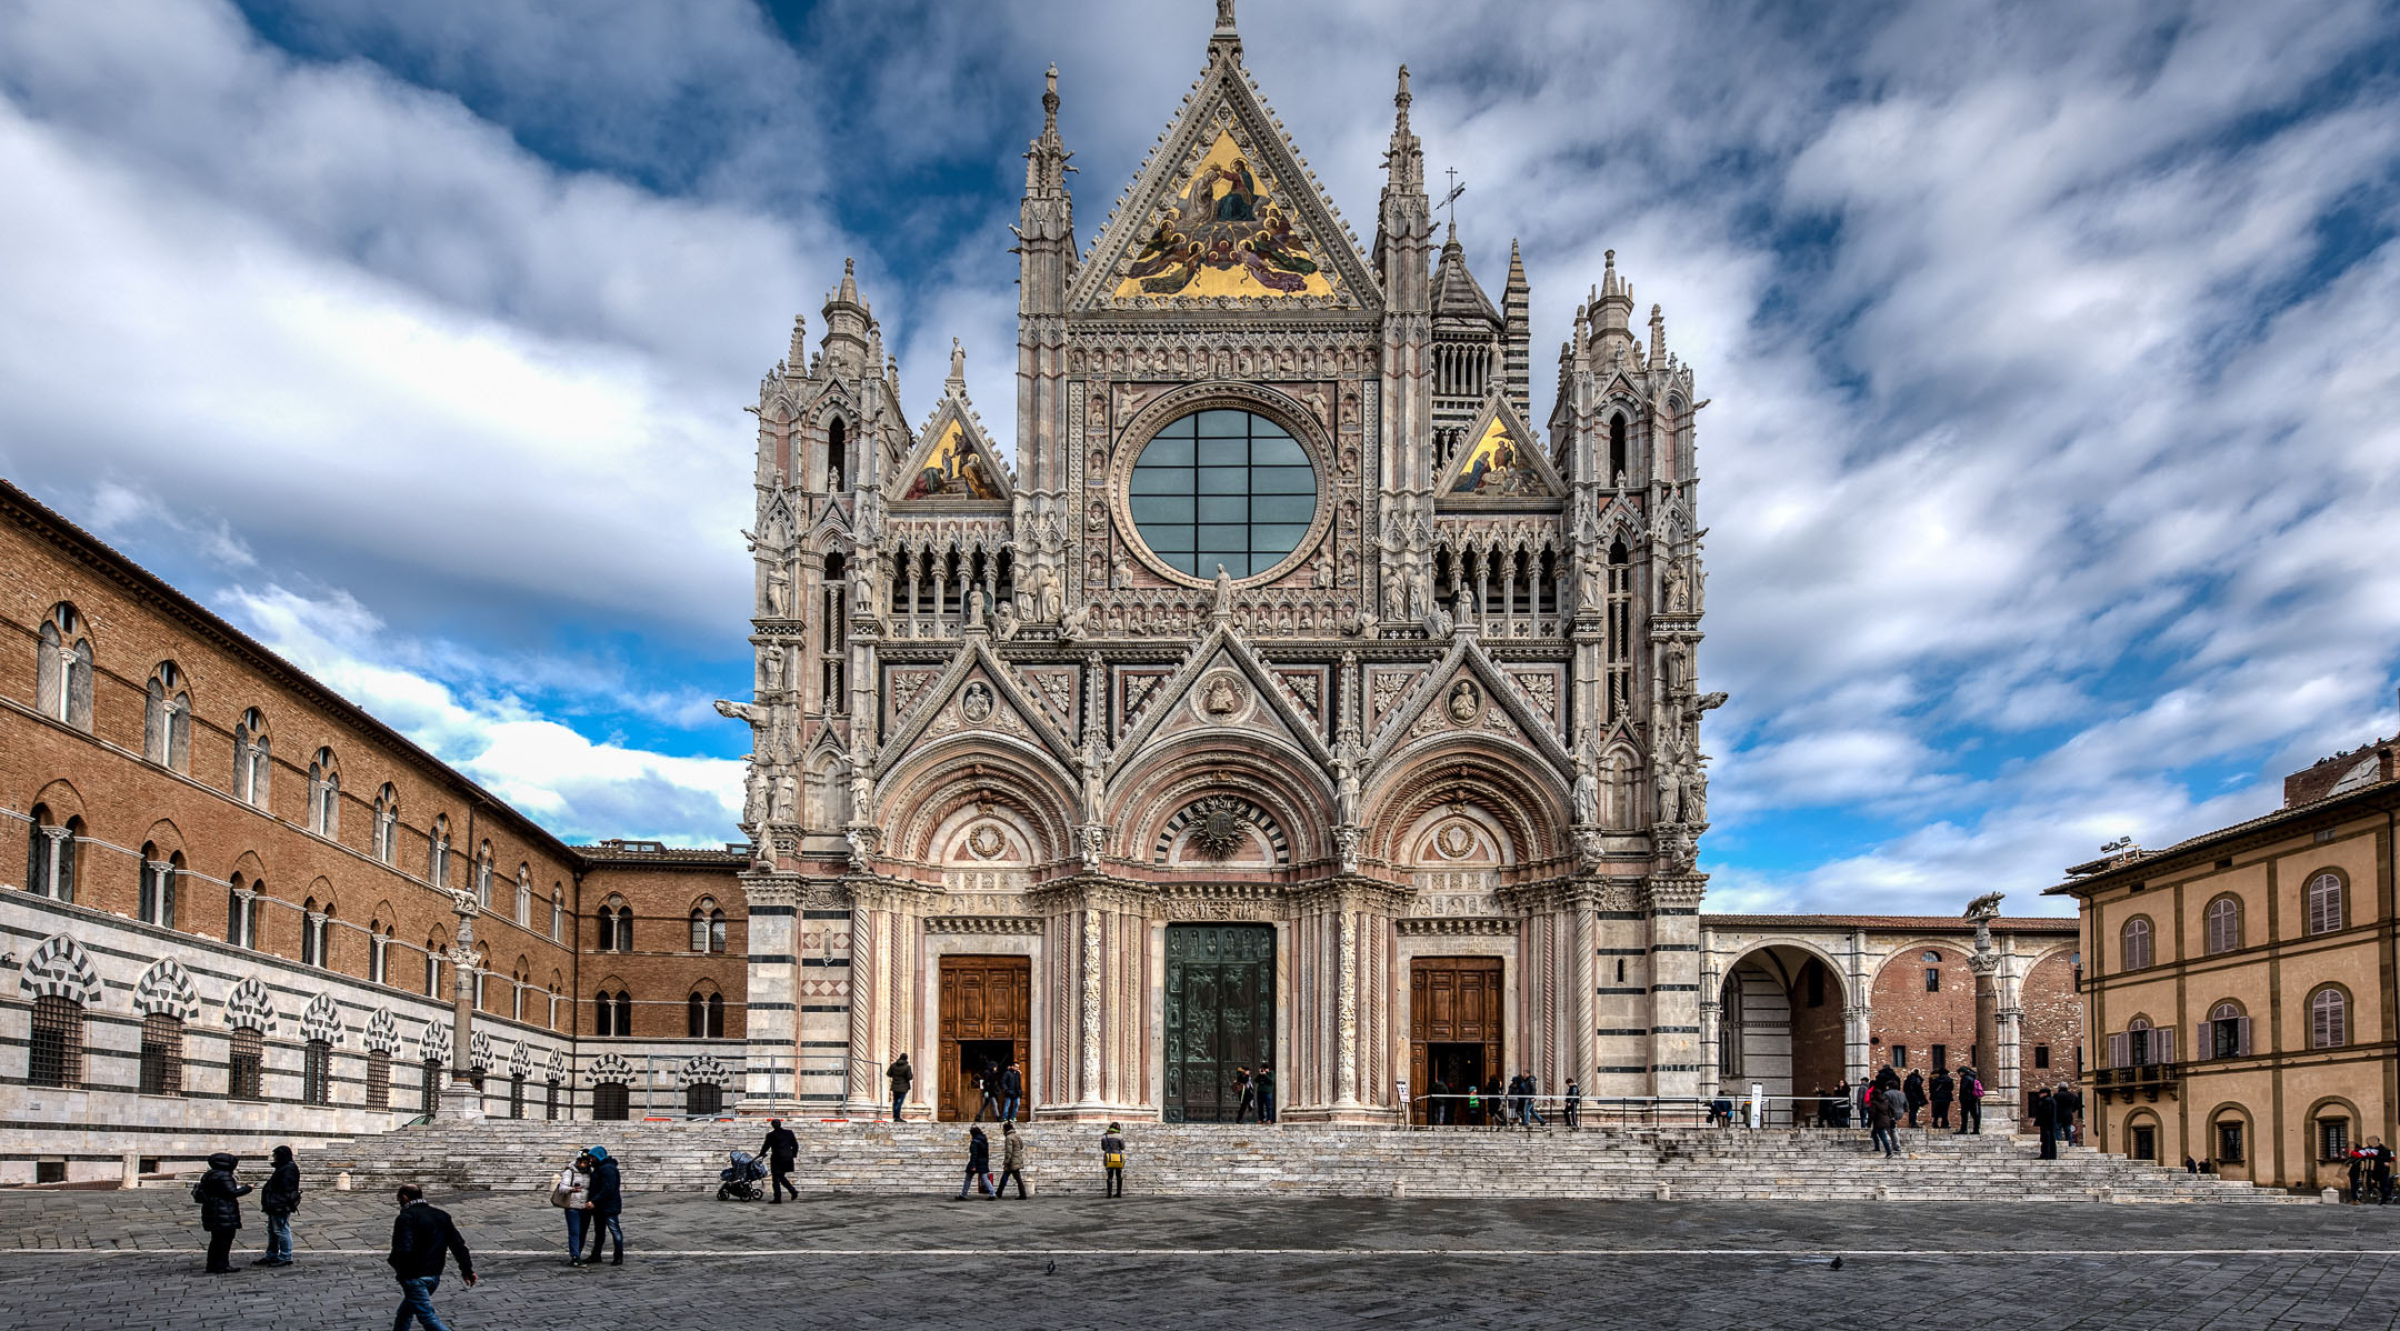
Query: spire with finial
x=1658 y=338
x=1225 y=43
x=799 y=354
x=1516 y=320
x=1046 y=159
x=1404 y=161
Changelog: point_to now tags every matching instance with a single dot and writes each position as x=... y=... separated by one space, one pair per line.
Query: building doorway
x=1220 y=1015
x=986 y=1020
x=1455 y=1012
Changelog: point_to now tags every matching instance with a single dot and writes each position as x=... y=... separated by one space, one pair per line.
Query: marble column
x=463 y=1102
x=770 y=1014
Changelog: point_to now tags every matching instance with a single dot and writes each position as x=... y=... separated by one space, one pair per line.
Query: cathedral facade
x=1293 y=701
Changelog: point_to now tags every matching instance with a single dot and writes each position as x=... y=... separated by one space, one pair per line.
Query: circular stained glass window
x=1223 y=487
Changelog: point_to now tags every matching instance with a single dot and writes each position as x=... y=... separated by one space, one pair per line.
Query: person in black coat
x=607 y=1198
x=1939 y=1093
x=901 y=1076
x=1914 y=1089
x=220 y=1212
x=2045 y=1119
x=1012 y=1092
x=979 y=1163
x=278 y=1200
x=780 y=1148
x=421 y=1238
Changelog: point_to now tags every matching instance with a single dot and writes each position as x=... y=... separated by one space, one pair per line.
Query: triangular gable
x=974 y=664
x=1222 y=650
x=1501 y=460
x=1223 y=209
x=953 y=461
x=1467 y=661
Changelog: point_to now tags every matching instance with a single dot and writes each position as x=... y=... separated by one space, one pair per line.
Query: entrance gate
x=1454 y=1021
x=986 y=1018
x=1220 y=1013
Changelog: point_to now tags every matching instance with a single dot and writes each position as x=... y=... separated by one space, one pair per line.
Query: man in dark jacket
x=2070 y=1103
x=1248 y=1090
x=1940 y=1092
x=979 y=1163
x=901 y=1076
x=780 y=1148
x=1914 y=1090
x=1012 y=1092
x=2045 y=1120
x=607 y=1198
x=1884 y=1112
x=1970 y=1101
x=421 y=1238
x=1264 y=1081
x=278 y=1200
x=220 y=1212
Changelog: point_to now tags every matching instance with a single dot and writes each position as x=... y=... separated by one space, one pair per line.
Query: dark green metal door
x=1220 y=1014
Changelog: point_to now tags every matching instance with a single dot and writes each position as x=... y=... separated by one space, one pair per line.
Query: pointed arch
x=249 y=1006
x=166 y=990
x=58 y=967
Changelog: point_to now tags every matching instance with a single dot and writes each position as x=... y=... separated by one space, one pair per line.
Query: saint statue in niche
x=1466 y=702
x=1222 y=698
x=976 y=703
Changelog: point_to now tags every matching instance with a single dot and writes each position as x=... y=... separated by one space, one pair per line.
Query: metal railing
x=1459 y=1110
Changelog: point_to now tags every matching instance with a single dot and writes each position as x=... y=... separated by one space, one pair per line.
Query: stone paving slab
x=130 y=1260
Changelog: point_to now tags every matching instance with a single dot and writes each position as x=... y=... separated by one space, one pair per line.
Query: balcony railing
x=2143 y=1080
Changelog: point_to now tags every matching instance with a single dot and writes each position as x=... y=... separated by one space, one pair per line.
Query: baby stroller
x=738 y=1182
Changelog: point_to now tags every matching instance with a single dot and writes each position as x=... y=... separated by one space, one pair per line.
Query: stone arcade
x=1293 y=700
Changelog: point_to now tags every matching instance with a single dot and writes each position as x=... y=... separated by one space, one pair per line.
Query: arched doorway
x=1779 y=1025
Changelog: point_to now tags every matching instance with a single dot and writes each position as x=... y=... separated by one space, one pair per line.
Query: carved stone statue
x=1345 y=847
x=1670 y=791
x=787 y=798
x=1048 y=605
x=770 y=669
x=779 y=589
x=1221 y=594
x=862 y=788
x=1695 y=795
x=1093 y=840
x=1679 y=587
x=1346 y=759
x=1072 y=625
x=751 y=712
x=1588 y=593
x=754 y=794
x=1466 y=702
x=1587 y=790
x=1095 y=779
x=1004 y=622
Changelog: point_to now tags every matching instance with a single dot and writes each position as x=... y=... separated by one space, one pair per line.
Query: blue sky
x=2050 y=467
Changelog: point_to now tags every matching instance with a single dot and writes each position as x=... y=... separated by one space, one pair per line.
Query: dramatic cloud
x=2049 y=345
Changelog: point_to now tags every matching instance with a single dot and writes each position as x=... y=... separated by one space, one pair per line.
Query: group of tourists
x=423 y=1237
x=2054 y=1114
x=2370 y=1173
x=1498 y=1106
x=1016 y=1150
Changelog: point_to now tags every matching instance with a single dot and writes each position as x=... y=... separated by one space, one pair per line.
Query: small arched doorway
x=1779 y=1026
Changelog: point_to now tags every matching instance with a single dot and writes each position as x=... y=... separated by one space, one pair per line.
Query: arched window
x=437 y=854
x=483 y=876
x=2325 y=903
x=2222 y=923
x=1618 y=463
x=433 y=964
x=387 y=824
x=558 y=911
x=2328 y=1018
x=54 y=1056
x=379 y=941
x=616 y=925
x=245 y=1061
x=708 y=927
x=156 y=901
x=253 y=759
x=516 y=989
x=2135 y=952
x=2140 y=1044
x=703 y=1097
x=2226 y=1033
x=704 y=1016
x=324 y=795
x=611 y=1103
x=50 y=855
x=162 y=1054
x=612 y=1013
x=241 y=911
x=524 y=896
x=1620 y=632
x=167 y=719
x=379 y=1079
x=63 y=679
x=836 y=454
x=316 y=1073
x=308 y=933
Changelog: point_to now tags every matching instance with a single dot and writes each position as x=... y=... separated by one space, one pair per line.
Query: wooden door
x=984 y=999
x=1220 y=1014
x=1457 y=1001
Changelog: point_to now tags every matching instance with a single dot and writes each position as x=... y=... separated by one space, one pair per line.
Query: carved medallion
x=1221 y=825
x=1466 y=702
x=1222 y=697
x=1454 y=842
x=976 y=703
x=985 y=842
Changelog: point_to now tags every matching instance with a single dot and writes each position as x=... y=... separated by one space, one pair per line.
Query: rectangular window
x=2041 y=1055
x=379 y=1080
x=2229 y=1143
x=516 y=1097
x=1933 y=979
x=2333 y=1138
x=316 y=1073
x=55 y=1053
x=429 y=1091
x=244 y=1062
x=2137 y=1047
x=1899 y=1055
x=1941 y=1058
x=162 y=1055
x=2225 y=1038
x=550 y=1102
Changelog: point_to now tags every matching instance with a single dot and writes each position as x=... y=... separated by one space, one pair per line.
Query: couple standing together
x=592 y=1193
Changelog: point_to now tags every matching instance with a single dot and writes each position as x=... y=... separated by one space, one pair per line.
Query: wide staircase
x=1675 y=1163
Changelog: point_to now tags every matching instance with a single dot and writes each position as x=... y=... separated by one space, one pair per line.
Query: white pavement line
x=2079 y=1253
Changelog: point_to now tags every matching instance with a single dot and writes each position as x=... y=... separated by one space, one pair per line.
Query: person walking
x=1264 y=1080
x=1247 y=1089
x=1573 y=1106
x=2070 y=1107
x=1112 y=1160
x=1012 y=1091
x=780 y=1148
x=1013 y=1151
x=2045 y=1121
x=277 y=1200
x=1883 y=1111
x=571 y=1192
x=987 y=1080
x=1940 y=1092
x=220 y=1211
x=1914 y=1089
x=1533 y=1111
x=901 y=1076
x=607 y=1197
x=2379 y=1171
x=1970 y=1101
x=979 y=1163
x=421 y=1239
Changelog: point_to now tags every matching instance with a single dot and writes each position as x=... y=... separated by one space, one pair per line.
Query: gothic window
x=708 y=927
x=433 y=964
x=253 y=759
x=2223 y=921
x=704 y=1016
x=616 y=925
x=245 y=1063
x=54 y=1056
x=429 y=1087
x=378 y=950
x=612 y=1013
x=50 y=855
x=167 y=719
x=558 y=911
x=525 y=896
x=162 y=1054
x=2328 y=1018
x=387 y=824
x=2325 y=903
x=241 y=912
x=309 y=956
x=437 y=854
x=483 y=876
x=155 y=903
x=836 y=451
x=1618 y=463
x=1620 y=632
x=316 y=1073
x=1222 y=488
x=324 y=795
x=2135 y=950
x=379 y=1079
x=63 y=679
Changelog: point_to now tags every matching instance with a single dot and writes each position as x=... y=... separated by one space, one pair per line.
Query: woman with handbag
x=570 y=1193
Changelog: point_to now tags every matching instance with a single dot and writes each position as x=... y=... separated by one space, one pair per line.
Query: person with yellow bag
x=1112 y=1159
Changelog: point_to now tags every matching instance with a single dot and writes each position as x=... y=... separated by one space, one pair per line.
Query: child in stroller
x=738 y=1181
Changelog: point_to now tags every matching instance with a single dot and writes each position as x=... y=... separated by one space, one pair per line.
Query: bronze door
x=987 y=1014
x=1454 y=1020
x=1220 y=1014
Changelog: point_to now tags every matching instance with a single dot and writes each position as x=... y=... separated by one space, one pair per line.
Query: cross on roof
x=1450 y=200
